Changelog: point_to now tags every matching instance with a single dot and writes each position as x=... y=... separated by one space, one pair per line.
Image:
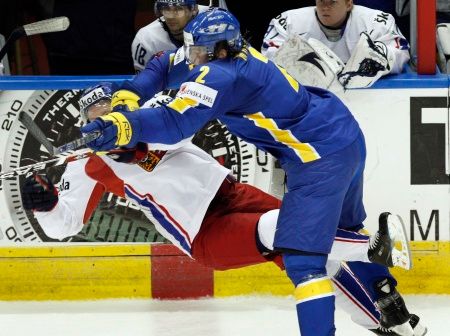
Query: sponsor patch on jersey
x=151 y=161
x=198 y=92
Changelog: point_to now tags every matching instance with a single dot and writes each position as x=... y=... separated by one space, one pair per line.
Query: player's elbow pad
x=125 y=98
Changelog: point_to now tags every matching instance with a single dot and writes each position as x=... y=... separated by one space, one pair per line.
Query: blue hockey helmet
x=96 y=96
x=207 y=29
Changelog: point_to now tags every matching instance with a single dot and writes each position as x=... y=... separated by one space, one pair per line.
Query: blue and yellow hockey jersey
x=257 y=100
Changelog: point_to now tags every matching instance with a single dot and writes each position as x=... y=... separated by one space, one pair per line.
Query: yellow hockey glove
x=125 y=98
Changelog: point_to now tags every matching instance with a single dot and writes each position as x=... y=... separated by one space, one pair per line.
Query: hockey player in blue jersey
x=309 y=130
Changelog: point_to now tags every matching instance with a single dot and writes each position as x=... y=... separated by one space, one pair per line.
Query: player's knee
x=302 y=268
x=200 y=252
x=266 y=228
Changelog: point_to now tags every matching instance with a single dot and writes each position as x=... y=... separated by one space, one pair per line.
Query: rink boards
x=405 y=121
x=162 y=272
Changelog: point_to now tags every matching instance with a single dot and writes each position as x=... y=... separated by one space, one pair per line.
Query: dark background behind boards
x=98 y=41
x=254 y=21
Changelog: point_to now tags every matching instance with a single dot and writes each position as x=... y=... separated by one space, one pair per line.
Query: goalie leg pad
x=310 y=62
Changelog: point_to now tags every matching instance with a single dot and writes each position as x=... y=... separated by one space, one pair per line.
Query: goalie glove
x=39 y=193
x=369 y=61
x=310 y=62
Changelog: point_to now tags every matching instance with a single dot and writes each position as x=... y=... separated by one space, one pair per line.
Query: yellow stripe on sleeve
x=182 y=104
x=295 y=85
x=304 y=151
x=314 y=289
x=256 y=54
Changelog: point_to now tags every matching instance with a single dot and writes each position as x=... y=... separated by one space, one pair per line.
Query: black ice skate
x=382 y=249
x=418 y=329
x=395 y=318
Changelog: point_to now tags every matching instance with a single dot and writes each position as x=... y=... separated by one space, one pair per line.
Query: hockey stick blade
x=63 y=154
x=45 y=26
x=56 y=24
x=56 y=161
x=35 y=131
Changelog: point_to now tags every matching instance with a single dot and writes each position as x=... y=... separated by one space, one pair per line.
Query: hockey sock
x=354 y=298
x=314 y=293
x=370 y=274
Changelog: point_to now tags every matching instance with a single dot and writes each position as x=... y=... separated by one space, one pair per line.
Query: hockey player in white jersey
x=217 y=221
x=367 y=41
x=166 y=32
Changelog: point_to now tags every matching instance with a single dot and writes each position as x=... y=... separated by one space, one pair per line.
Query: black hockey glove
x=130 y=155
x=39 y=193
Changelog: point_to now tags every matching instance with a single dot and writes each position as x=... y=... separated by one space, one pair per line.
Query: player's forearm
x=158 y=126
x=172 y=123
x=78 y=197
x=62 y=222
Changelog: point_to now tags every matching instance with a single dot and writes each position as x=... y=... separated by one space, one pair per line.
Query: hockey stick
x=45 y=26
x=36 y=132
x=75 y=144
x=56 y=161
x=39 y=135
x=63 y=154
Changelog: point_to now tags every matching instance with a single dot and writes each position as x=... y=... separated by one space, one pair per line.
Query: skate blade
x=404 y=329
x=420 y=330
x=401 y=257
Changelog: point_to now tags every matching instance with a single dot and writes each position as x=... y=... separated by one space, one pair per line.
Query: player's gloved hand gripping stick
x=117 y=129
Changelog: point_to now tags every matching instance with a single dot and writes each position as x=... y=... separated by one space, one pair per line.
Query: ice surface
x=258 y=316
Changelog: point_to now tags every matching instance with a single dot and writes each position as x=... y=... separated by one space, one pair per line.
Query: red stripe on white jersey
x=355 y=301
x=162 y=210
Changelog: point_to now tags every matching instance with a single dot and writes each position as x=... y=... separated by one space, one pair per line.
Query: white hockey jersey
x=173 y=193
x=152 y=39
x=303 y=21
